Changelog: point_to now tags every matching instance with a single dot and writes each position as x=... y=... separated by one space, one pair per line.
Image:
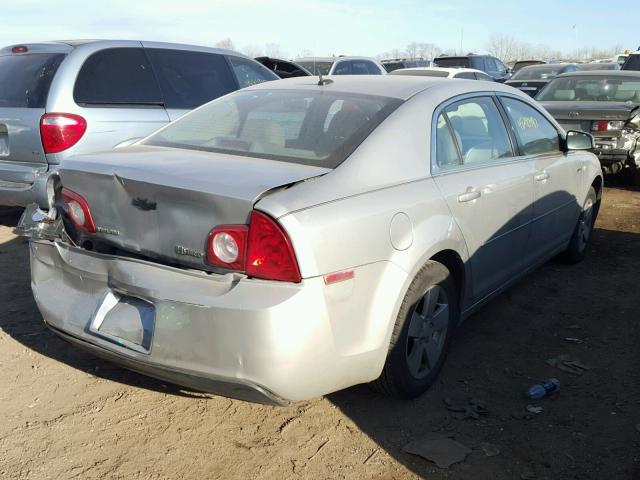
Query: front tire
x=422 y=333
x=584 y=228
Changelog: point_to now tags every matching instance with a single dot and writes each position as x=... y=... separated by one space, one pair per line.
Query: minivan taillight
x=262 y=249
x=78 y=210
x=60 y=131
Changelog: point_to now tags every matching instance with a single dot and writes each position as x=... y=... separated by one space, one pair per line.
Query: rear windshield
x=518 y=65
x=25 y=79
x=452 y=62
x=592 y=89
x=537 y=73
x=311 y=128
x=317 y=68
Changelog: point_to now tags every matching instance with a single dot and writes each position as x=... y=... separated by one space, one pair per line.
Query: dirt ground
x=68 y=415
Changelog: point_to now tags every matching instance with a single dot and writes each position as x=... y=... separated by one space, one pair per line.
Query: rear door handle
x=541 y=177
x=469 y=196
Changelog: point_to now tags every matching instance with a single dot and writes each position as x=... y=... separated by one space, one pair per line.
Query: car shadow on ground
x=502 y=349
x=9 y=216
x=628 y=179
x=496 y=355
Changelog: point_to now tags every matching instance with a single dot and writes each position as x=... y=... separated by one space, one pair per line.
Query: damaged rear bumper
x=622 y=150
x=261 y=341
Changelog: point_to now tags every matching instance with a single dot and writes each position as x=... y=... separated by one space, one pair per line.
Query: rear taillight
x=607 y=125
x=78 y=211
x=262 y=249
x=227 y=246
x=270 y=254
x=60 y=131
x=19 y=49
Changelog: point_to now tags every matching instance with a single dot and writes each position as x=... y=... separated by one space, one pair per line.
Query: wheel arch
x=452 y=260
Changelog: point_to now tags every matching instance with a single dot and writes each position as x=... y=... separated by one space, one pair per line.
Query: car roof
x=67 y=45
x=461 y=56
x=546 y=66
x=602 y=73
x=332 y=59
x=401 y=87
x=439 y=69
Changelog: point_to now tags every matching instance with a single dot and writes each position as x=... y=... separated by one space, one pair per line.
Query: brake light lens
x=19 y=49
x=60 y=131
x=262 y=249
x=607 y=125
x=227 y=246
x=78 y=210
x=270 y=254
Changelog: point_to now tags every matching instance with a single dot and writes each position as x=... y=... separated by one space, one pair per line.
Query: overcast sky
x=354 y=27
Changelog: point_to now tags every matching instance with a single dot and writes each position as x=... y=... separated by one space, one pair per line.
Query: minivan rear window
x=311 y=128
x=190 y=79
x=117 y=76
x=25 y=79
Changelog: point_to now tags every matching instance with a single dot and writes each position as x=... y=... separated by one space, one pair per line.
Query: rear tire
x=422 y=334
x=584 y=228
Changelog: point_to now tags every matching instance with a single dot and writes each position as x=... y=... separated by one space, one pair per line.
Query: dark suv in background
x=632 y=62
x=486 y=63
x=59 y=99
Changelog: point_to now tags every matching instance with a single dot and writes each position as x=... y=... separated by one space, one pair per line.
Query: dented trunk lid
x=162 y=203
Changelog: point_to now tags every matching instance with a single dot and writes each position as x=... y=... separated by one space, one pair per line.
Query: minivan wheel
x=422 y=333
x=584 y=228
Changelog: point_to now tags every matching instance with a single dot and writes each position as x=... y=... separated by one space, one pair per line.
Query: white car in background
x=442 y=72
x=342 y=65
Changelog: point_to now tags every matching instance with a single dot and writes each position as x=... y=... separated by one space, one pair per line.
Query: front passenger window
x=480 y=132
x=536 y=135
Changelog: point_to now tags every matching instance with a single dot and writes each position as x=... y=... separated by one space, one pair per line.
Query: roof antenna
x=323 y=81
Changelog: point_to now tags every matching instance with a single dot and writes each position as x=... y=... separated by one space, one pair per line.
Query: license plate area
x=126 y=321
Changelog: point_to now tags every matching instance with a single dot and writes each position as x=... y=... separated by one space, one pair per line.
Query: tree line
x=505 y=47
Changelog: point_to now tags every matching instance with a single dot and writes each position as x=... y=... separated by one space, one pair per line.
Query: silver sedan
x=298 y=237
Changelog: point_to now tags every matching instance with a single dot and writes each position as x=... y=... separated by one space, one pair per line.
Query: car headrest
x=564 y=95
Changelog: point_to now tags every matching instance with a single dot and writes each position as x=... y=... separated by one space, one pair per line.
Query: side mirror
x=578 y=141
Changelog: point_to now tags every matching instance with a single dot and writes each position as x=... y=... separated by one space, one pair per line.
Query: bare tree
x=305 y=53
x=273 y=50
x=225 y=43
x=412 y=50
x=502 y=46
x=428 y=50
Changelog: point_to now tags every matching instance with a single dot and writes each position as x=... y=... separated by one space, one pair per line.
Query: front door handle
x=541 y=177
x=469 y=196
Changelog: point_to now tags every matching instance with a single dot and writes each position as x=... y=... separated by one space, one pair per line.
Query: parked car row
x=605 y=103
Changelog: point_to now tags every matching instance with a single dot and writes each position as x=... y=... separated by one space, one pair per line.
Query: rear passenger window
x=446 y=152
x=117 y=76
x=249 y=72
x=479 y=130
x=190 y=79
x=467 y=75
x=535 y=133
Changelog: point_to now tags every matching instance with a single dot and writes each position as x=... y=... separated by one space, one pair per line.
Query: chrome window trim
x=437 y=171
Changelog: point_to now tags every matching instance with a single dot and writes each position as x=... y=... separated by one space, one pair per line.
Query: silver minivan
x=59 y=99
